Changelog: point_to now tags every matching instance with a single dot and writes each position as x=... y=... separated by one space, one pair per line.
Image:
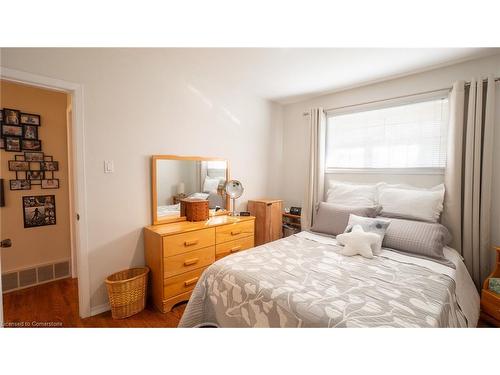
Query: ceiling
x=287 y=75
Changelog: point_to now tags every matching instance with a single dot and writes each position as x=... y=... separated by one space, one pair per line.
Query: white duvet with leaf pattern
x=297 y=282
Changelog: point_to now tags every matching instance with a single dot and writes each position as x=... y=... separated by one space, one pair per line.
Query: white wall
x=295 y=135
x=139 y=102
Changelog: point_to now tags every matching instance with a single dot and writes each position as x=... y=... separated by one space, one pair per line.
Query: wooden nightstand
x=490 y=301
x=291 y=224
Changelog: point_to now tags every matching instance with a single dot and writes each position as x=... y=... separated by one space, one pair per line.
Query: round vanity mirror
x=234 y=189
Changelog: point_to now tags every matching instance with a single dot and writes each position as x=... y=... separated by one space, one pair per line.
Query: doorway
x=47 y=240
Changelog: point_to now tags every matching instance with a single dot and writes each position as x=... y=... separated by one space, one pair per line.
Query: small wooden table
x=490 y=301
x=291 y=223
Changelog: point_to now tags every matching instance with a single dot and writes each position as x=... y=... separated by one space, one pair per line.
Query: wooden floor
x=56 y=305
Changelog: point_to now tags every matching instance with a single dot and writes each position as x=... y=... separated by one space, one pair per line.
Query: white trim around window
x=386 y=171
x=385 y=103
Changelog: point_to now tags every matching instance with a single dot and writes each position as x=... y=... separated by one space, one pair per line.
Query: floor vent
x=9 y=281
x=32 y=276
x=45 y=273
x=61 y=269
x=27 y=277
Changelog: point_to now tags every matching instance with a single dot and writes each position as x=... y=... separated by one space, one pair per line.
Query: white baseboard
x=99 y=309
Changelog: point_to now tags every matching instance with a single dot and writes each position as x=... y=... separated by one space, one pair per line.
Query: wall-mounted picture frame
x=1 y=116
x=34 y=175
x=12 y=144
x=39 y=210
x=31 y=145
x=11 y=116
x=50 y=183
x=12 y=131
x=30 y=132
x=15 y=165
x=30 y=119
x=34 y=156
x=49 y=166
x=2 y=144
x=20 y=185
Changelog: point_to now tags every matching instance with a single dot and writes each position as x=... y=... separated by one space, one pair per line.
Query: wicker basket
x=127 y=291
x=194 y=209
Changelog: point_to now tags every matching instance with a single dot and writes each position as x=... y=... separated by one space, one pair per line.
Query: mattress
x=303 y=281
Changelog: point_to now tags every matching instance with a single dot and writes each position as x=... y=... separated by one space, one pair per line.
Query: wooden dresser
x=490 y=301
x=179 y=252
x=268 y=222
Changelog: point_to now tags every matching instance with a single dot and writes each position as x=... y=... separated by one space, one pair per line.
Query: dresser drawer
x=177 y=264
x=181 y=283
x=234 y=231
x=231 y=247
x=490 y=303
x=189 y=241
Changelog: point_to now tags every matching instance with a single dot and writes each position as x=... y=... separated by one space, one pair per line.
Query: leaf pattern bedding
x=298 y=282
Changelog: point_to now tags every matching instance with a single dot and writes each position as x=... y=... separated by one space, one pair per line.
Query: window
x=409 y=136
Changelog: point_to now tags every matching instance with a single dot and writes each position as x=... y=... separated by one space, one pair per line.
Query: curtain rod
x=393 y=98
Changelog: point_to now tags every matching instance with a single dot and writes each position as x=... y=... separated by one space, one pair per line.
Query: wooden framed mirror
x=175 y=177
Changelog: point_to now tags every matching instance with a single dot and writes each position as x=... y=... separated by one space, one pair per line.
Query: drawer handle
x=190 y=262
x=235 y=232
x=191 y=281
x=235 y=249
x=190 y=243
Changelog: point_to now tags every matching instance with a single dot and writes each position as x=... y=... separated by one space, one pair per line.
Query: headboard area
x=418 y=180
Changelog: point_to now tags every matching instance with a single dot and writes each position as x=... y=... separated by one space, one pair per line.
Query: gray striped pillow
x=417 y=237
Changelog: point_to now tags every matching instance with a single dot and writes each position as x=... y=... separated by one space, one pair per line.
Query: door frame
x=78 y=193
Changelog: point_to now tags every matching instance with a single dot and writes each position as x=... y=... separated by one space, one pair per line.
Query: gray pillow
x=333 y=218
x=418 y=237
x=377 y=225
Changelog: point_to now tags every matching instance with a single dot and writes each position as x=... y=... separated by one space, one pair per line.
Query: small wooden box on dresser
x=178 y=253
x=490 y=301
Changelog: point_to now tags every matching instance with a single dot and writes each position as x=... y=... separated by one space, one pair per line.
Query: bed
x=303 y=281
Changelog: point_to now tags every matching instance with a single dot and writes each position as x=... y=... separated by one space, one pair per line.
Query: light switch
x=109 y=166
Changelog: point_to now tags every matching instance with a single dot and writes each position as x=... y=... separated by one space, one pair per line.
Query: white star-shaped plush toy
x=358 y=242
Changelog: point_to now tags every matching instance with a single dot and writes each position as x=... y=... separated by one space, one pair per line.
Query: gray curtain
x=468 y=176
x=316 y=166
x=452 y=213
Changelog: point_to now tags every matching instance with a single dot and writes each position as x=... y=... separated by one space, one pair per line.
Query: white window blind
x=403 y=136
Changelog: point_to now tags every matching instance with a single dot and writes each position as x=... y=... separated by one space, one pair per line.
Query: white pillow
x=202 y=196
x=210 y=184
x=407 y=202
x=349 y=194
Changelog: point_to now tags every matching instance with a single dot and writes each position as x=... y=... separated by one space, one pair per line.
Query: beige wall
x=32 y=246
